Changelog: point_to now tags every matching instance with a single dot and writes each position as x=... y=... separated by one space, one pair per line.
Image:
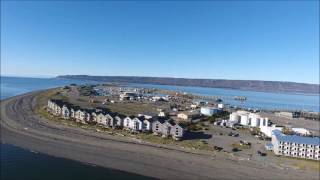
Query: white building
x=209 y=111
x=220 y=106
x=267 y=130
x=301 y=131
x=296 y=146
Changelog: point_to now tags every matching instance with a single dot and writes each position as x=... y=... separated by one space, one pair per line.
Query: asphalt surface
x=22 y=127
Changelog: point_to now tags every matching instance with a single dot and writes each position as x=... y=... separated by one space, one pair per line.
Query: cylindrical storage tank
x=255 y=122
x=234 y=117
x=244 y=120
x=267 y=121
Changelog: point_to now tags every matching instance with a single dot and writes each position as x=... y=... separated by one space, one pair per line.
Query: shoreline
x=21 y=127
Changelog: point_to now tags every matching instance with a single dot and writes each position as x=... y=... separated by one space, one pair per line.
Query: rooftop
x=296 y=139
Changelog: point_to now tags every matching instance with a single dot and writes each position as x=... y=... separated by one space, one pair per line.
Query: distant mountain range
x=253 y=85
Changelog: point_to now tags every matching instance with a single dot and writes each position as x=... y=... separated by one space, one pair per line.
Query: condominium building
x=296 y=146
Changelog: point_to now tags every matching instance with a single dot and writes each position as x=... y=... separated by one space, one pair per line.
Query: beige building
x=183 y=116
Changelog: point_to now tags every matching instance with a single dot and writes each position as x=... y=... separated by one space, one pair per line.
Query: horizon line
x=55 y=76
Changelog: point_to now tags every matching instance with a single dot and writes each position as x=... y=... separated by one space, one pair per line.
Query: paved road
x=20 y=126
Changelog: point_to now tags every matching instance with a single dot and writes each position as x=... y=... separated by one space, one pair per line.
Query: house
x=136 y=124
x=94 y=116
x=65 y=112
x=183 y=116
x=102 y=119
x=55 y=107
x=127 y=122
x=72 y=113
x=80 y=116
x=177 y=131
x=157 y=127
x=115 y=120
x=88 y=115
x=147 y=125
x=119 y=120
x=109 y=120
x=167 y=128
x=188 y=115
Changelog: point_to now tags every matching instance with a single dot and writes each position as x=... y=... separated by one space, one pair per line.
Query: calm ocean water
x=260 y=100
x=20 y=164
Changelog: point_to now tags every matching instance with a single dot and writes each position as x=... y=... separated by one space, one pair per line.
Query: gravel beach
x=21 y=126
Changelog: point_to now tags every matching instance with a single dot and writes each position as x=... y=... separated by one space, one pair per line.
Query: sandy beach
x=21 y=126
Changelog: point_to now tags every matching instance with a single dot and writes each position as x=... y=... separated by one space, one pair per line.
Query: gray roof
x=296 y=139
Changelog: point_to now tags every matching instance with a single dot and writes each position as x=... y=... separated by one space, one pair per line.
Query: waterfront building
x=101 y=119
x=147 y=125
x=143 y=123
x=136 y=124
x=65 y=112
x=118 y=120
x=296 y=146
x=126 y=122
x=209 y=111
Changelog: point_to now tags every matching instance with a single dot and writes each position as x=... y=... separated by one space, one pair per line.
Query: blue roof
x=296 y=139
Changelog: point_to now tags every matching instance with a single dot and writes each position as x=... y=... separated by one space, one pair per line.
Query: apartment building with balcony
x=296 y=146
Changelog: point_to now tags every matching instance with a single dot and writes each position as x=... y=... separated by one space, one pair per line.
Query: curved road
x=20 y=126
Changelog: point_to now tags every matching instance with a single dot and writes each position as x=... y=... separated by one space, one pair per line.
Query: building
x=127 y=96
x=209 y=111
x=301 y=131
x=167 y=128
x=147 y=125
x=188 y=115
x=296 y=146
x=119 y=120
x=183 y=116
x=101 y=119
x=136 y=124
x=65 y=112
x=162 y=114
x=145 y=122
x=267 y=130
x=220 y=106
x=126 y=122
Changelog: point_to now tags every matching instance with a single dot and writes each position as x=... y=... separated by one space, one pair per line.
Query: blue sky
x=261 y=40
